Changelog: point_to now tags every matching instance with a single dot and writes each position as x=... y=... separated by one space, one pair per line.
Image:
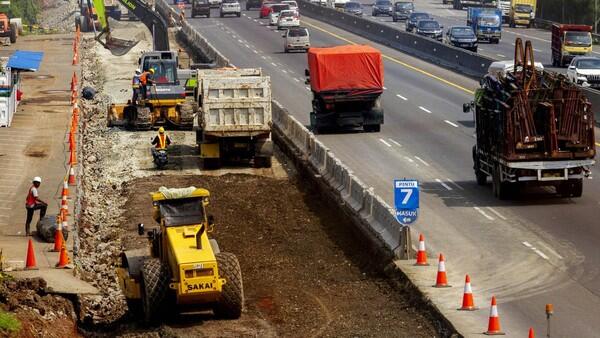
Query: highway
x=535 y=250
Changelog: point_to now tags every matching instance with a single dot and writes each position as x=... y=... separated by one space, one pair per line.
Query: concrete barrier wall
x=466 y=62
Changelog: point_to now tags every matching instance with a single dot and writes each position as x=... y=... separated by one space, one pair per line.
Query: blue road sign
x=406 y=200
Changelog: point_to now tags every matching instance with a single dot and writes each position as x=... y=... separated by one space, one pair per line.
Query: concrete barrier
x=356 y=194
x=466 y=62
x=317 y=157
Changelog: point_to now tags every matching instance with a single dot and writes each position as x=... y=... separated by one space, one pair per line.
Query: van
x=296 y=38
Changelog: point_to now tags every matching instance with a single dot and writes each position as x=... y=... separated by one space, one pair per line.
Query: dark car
x=462 y=37
x=353 y=8
x=413 y=18
x=382 y=7
x=402 y=10
x=253 y=4
x=200 y=8
x=430 y=29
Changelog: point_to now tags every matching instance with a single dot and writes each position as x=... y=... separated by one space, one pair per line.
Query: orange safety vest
x=144 y=78
x=31 y=200
x=162 y=141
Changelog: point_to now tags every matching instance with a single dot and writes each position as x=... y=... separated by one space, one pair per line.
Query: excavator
x=165 y=104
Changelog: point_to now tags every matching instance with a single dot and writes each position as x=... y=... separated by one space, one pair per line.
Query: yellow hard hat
x=152 y=70
x=161 y=130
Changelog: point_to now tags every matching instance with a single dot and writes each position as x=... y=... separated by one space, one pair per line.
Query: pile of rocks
x=59 y=15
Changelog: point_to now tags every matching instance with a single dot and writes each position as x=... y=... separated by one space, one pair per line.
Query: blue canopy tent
x=24 y=60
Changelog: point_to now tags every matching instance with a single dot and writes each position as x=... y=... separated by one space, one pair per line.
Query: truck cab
x=522 y=12
x=486 y=23
x=569 y=41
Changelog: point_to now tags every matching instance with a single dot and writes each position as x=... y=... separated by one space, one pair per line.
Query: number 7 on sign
x=408 y=193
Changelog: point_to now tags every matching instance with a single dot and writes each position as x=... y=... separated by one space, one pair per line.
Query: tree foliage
x=28 y=10
x=567 y=11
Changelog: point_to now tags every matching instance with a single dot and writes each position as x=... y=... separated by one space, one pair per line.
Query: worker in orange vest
x=33 y=203
x=145 y=80
x=161 y=141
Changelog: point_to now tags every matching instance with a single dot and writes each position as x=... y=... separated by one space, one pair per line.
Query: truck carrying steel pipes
x=347 y=83
x=533 y=128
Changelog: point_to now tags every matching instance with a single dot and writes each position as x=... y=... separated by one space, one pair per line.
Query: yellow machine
x=182 y=267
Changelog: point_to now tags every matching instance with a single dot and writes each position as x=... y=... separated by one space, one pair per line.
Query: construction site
x=307 y=271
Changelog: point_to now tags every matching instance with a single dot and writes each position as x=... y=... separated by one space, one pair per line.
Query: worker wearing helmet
x=135 y=85
x=161 y=141
x=33 y=203
x=145 y=80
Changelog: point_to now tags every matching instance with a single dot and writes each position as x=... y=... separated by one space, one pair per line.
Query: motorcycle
x=161 y=158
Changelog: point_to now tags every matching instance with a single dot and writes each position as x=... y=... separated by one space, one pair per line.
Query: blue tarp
x=25 y=60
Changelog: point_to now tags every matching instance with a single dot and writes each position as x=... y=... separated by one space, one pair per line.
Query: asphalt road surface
x=531 y=251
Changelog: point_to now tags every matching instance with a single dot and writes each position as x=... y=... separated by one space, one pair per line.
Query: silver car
x=230 y=7
x=296 y=38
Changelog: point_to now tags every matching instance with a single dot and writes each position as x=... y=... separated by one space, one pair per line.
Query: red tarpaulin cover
x=351 y=67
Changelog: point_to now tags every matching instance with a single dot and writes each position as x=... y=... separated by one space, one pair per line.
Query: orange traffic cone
x=421 y=253
x=72 y=176
x=531 y=333
x=73 y=96
x=468 y=304
x=441 y=280
x=65 y=189
x=30 y=263
x=71 y=141
x=58 y=236
x=73 y=81
x=73 y=158
x=75 y=59
x=63 y=258
x=494 y=322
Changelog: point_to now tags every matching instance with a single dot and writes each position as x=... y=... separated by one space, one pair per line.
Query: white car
x=585 y=71
x=293 y=4
x=288 y=18
x=274 y=14
x=296 y=38
x=230 y=7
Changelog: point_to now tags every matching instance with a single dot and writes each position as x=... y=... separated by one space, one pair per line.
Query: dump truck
x=569 y=41
x=532 y=128
x=346 y=83
x=486 y=23
x=182 y=269
x=522 y=12
x=234 y=120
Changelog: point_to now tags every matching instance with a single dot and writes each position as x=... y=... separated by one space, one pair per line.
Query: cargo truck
x=522 y=12
x=532 y=128
x=569 y=41
x=346 y=83
x=460 y=4
x=234 y=120
x=486 y=23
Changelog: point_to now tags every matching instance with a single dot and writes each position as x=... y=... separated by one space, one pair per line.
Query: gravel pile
x=59 y=15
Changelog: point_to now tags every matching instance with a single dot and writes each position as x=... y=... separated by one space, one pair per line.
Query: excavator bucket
x=118 y=46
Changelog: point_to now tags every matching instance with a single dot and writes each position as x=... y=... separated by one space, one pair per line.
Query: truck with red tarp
x=347 y=83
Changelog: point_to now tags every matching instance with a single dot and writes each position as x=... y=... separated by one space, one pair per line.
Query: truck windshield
x=185 y=211
x=489 y=21
x=523 y=9
x=588 y=64
x=578 y=39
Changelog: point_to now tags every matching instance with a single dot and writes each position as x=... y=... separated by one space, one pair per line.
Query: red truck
x=347 y=83
x=569 y=41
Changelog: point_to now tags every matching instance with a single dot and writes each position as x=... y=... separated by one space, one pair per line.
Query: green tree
x=28 y=10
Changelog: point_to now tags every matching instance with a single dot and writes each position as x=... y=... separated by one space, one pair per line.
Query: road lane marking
x=449 y=188
x=264 y=57
x=451 y=123
x=384 y=142
x=240 y=41
x=501 y=55
x=421 y=160
x=284 y=71
x=496 y=213
x=552 y=251
x=409 y=159
x=384 y=88
x=540 y=253
x=307 y=88
x=255 y=51
x=402 y=97
x=274 y=64
x=455 y=184
x=392 y=59
x=527 y=244
x=394 y=142
x=425 y=109
x=297 y=80
x=483 y=213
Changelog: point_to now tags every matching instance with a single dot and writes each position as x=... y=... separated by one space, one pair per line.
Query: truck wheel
x=187 y=110
x=231 y=301
x=154 y=288
x=239 y=14
x=13 y=33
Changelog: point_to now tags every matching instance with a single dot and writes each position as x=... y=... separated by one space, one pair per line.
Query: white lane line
x=297 y=80
x=384 y=142
x=394 y=142
x=247 y=46
x=384 y=88
x=240 y=41
x=409 y=159
x=483 y=213
x=496 y=213
x=254 y=20
x=421 y=160
x=255 y=51
x=455 y=184
x=425 y=109
x=540 y=253
x=537 y=50
x=274 y=64
x=501 y=55
x=552 y=251
x=402 y=97
x=284 y=71
x=449 y=188
x=451 y=123
x=527 y=244
x=307 y=88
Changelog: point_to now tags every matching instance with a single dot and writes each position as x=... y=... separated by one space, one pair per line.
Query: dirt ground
x=305 y=273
